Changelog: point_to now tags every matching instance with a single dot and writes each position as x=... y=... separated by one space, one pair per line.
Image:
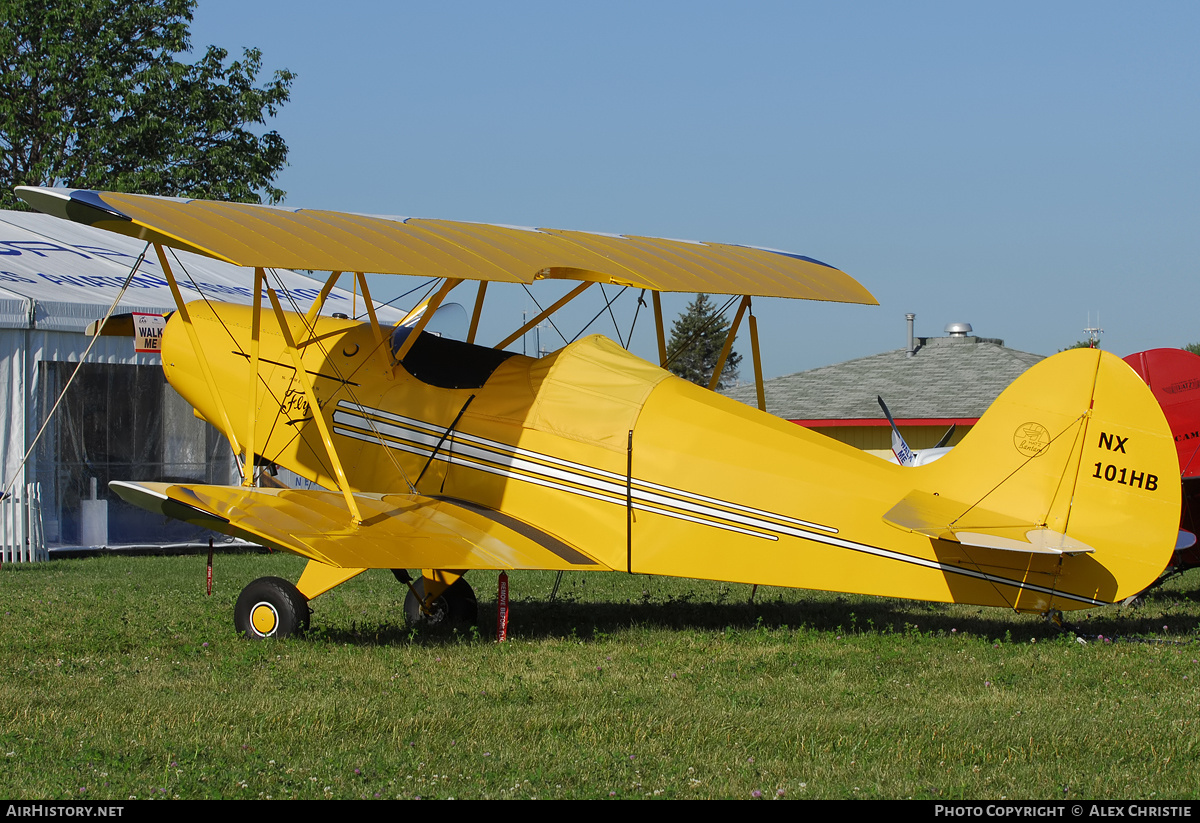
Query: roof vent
x=958 y=329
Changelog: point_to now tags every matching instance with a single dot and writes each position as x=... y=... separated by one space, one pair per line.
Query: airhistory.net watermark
x=61 y=810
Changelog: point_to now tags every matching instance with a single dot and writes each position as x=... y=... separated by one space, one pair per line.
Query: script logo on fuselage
x=295 y=405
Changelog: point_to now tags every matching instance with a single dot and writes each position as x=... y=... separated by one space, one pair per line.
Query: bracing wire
x=607 y=307
x=996 y=586
x=540 y=310
x=82 y=359
x=291 y=300
x=429 y=286
x=641 y=301
x=344 y=381
x=716 y=317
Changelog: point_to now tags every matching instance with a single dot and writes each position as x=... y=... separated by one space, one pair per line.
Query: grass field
x=122 y=679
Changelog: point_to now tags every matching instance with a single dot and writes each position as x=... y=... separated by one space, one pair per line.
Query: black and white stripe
x=418 y=437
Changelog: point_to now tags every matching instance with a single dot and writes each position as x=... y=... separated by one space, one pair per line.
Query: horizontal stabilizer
x=1038 y=540
x=399 y=531
x=945 y=519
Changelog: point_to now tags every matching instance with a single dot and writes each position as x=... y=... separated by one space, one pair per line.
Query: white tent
x=56 y=277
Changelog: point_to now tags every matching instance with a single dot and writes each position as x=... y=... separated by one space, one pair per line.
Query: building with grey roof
x=934 y=383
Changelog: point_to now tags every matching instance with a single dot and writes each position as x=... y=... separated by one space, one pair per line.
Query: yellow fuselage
x=645 y=472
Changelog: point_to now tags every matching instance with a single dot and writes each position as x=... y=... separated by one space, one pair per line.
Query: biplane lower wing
x=399 y=531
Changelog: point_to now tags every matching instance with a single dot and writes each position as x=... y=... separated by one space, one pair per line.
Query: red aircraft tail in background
x=1174 y=377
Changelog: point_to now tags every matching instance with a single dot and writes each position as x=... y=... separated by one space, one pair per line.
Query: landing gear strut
x=1054 y=618
x=455 y=607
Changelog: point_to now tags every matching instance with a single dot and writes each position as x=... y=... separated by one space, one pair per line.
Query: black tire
x=456 y=607
x=271 y=607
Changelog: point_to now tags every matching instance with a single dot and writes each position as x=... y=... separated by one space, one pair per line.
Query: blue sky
x=1016 y=166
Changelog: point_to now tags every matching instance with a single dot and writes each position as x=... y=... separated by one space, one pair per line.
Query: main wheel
x=270 y=607
x=456 y=606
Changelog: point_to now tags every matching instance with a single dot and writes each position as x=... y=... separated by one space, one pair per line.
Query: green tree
x=92 y=95
x=696 y=340
x=1082 y=344
x=1194 y=348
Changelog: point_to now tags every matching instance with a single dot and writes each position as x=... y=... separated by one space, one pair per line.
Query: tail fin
x=904 y=455
x=1074 y=458
x=1174 y=377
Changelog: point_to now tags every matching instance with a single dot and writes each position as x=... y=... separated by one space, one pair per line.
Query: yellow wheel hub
x=264 y=618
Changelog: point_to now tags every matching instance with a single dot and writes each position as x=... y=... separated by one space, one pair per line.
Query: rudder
x=1076 y=446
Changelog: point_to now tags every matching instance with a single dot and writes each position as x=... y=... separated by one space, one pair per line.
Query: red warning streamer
x=502 y=609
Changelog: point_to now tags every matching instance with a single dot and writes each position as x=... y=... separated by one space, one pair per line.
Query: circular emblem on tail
x=1031 y=439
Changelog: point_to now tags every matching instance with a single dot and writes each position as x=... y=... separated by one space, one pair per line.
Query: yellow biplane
x=447 y=456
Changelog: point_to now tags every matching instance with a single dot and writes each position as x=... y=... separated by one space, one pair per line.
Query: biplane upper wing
x=276 y=237
x=398 y=530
